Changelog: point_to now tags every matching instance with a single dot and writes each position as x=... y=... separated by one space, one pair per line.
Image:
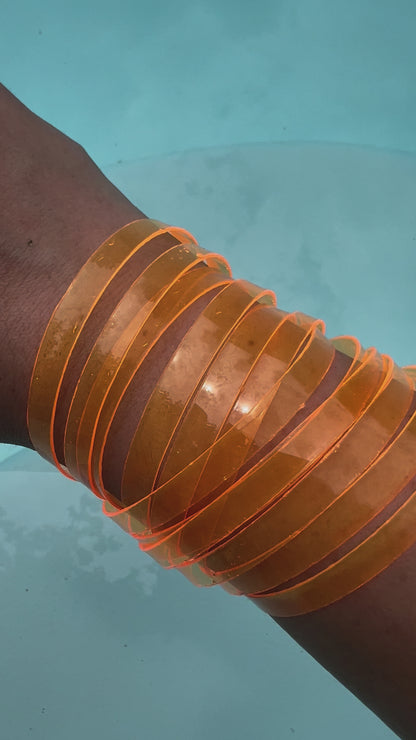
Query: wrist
x=35 y=275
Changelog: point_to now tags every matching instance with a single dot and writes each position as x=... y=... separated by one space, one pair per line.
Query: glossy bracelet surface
x=240 y=471
x=68 y=319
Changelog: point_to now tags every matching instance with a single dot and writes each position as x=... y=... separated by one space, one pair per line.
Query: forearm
x=52 y=222
x=34 y=275
x=366 y=640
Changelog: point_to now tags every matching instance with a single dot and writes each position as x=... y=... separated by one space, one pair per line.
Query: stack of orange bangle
x=216 y=485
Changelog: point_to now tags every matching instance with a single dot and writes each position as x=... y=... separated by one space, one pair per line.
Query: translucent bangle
x=67 y=321
x=224 y=465
x=277 y=354
x=186 y=488
x=237 y=436
x=235 y=440
x=287 y=533
x=156 y=283
x=369 y=558
x=176 y=384
x=215 y=397
x=217 y=489
x=300 y=450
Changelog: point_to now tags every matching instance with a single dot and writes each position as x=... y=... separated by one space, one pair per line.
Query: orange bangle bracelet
x=224 y=447
x=395 y=468
x=111 y=347
x=302 y=609
x=218 y=392
x=104 y=421
x=176 y=384
x=308 y=444
x=163 y=315
x=314 y=502
x=198 y=572
x=291 y=336
x=352 y=571
x=157 y=516
x=249 y=389
x=228 y=509
x=187 y=478
x=356 y=507
x=181 y=481
x=318 y=364
x=186 y=291
x=235 y=438
x=67 y=321
x=311 y=364
x=287 y=394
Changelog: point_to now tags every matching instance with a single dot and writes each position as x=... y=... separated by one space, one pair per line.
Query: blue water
x=281 y=134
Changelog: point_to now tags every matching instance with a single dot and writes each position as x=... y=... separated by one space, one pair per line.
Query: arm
x=367 y=641
x=56 y=209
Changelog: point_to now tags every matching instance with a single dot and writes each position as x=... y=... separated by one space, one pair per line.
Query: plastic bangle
x=159 y=320
x=224 y=457
x=235 y=440
x=105 y=360
x=276 y=353
x=244 y=506
x=176 y=384
x=237 y=436
x=269 y=604
x=298 y=452
x=313 y=505
x=67 y=321
x=355 y=569
x=214 y=399
x=157 y=517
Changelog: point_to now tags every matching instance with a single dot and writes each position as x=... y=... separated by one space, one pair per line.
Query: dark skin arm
x=56 y=208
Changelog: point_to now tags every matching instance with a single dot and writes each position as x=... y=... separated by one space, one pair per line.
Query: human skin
x=56 y=208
